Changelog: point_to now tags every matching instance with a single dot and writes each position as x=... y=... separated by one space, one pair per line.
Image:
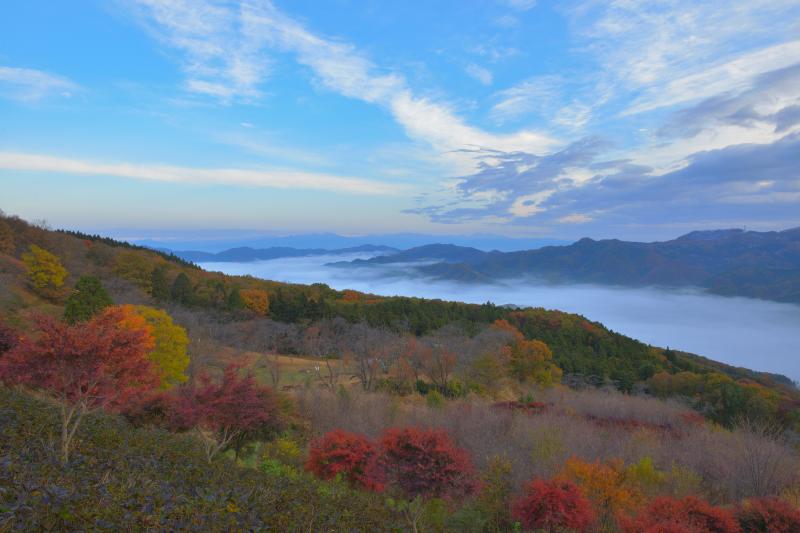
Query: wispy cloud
x=29 y=85
x=479 y=73
x=220 y=54
x=237 y=38
x=275 y=178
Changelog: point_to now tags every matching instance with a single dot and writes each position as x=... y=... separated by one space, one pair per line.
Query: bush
x=425 y=463
x=347 y=454
x=768 y=515
x=127 y=479
x=553 y=505
x=689 y=515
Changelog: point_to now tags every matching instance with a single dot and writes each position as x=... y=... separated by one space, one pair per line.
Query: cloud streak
x=273 y=178
x=29 y=85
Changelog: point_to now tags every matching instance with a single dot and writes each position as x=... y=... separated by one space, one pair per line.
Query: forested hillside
x=137 y=357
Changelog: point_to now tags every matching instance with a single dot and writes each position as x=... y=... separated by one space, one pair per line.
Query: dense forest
x=144 y=392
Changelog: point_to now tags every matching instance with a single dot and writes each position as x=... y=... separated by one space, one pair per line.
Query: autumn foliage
x=424 y=462
x=687 y=515
x=256 y=300
x=45 y=271
x=347 y=454
x=768 y=515
x=553 y=505
x=222 y=411
x=85 y=366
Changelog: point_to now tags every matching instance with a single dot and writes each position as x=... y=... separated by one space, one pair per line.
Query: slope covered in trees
x=145 y=393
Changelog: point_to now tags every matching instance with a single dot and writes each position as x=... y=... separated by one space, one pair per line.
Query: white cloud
x=479 y=73
x=275 y=178
x=729 y=76
x=240 y=34
x=575 y=218
x=522 y=5
x=222 y=56
x=29 y=85
x=535 y=94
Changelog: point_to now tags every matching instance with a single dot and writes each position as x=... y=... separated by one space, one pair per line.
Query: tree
x=222 y=411
x=7 y=245
x=182 y=291
x=532 y=360
x=234 y=300
x=689 y=515
x=88 y=299
x=134 y=267
x=169 y=352
x=85 y=366
x=256 y=300
x=607 y=485
x=45 y=270
x=553 y=505
x=159 y=286
x=423 y=463
x=347 y=454
x=768 y=515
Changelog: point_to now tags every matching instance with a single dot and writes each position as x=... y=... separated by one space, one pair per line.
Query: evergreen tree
x=89 y=298
x=235 y=300
x=182 y=291
x=159 y=286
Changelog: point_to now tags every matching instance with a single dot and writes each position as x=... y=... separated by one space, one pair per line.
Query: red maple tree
x=349 y=454
x=228 y=411
x=424 y=462
x=686 y=515
x=85 y=366
x=553 y=505
x=768 y=515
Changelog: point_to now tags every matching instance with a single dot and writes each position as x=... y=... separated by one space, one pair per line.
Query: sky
x=630 y=119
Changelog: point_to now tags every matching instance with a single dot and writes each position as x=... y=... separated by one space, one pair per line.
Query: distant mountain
x=221 y=240
x=246 y=254
x=729 y=262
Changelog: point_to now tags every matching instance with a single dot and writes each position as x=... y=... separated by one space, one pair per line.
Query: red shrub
x=425 y=463
x=768 y=515
x=553 y=505
x=227 y=412
x=687 y=515
x=349 y=454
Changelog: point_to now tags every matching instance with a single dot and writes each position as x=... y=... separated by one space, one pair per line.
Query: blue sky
x=631 y=119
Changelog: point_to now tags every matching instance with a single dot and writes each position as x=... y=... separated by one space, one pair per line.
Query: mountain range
x=731 y=262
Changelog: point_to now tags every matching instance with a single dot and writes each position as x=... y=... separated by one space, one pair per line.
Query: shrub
x=689 y=515
x=553 y=505
x=347 y=454
x=229 y=413
x=768 y=515
x=425 y=463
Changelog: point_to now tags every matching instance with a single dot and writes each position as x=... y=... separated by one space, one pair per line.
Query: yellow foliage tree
x=533 y=361
x=45 y=270
x=256 y=300
x=134 y=267
x=170 y=342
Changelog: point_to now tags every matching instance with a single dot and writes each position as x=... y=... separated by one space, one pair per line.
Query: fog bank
x=756 y=334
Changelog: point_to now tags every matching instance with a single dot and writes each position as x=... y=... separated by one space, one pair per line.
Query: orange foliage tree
x=256 y=300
